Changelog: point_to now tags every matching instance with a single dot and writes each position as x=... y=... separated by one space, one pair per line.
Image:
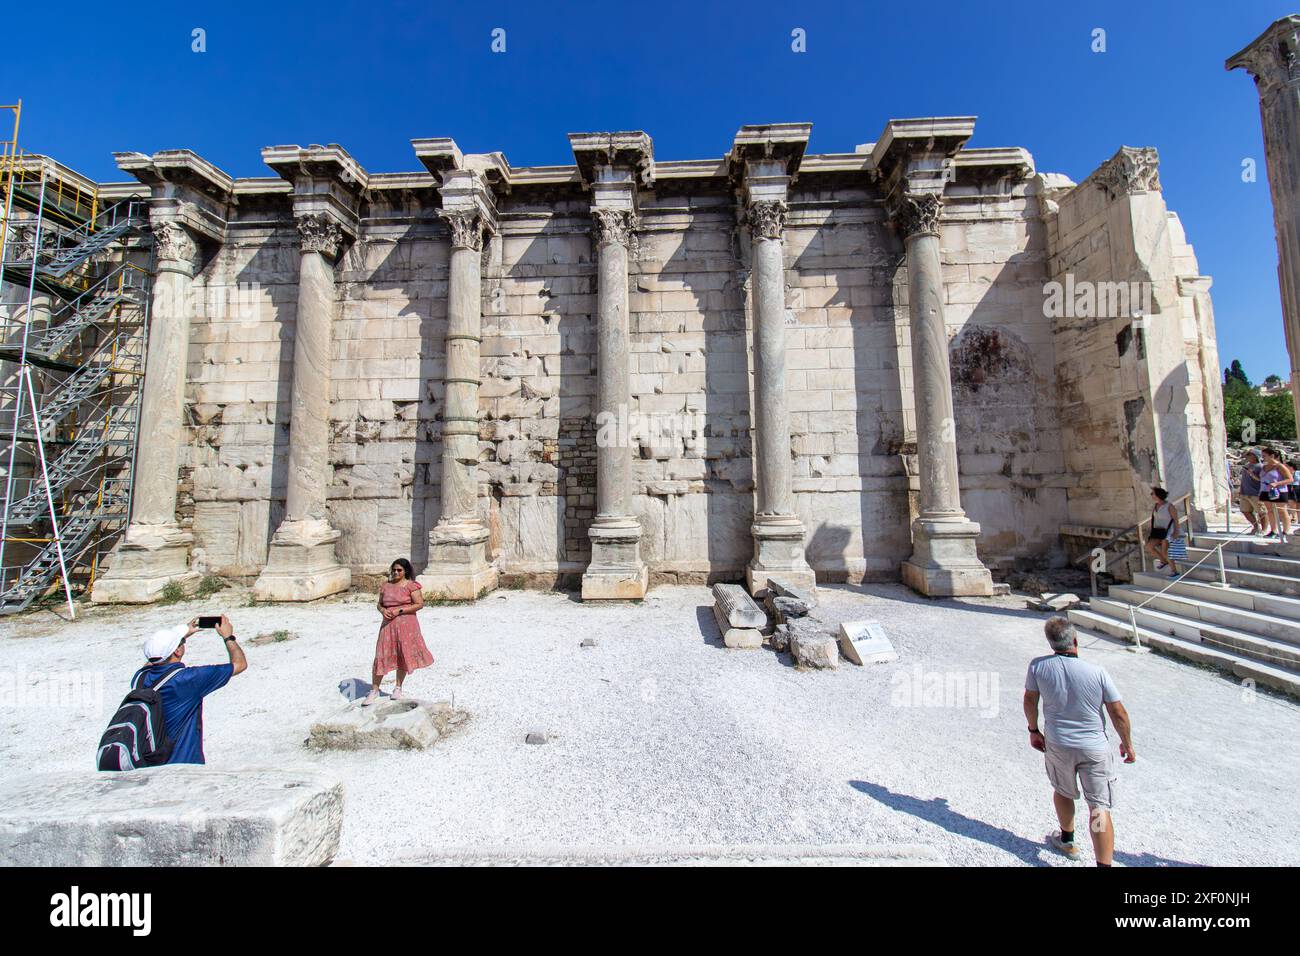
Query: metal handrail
x=1222 y=583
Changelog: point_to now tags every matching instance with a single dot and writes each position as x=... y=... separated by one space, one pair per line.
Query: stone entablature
x=689 y=229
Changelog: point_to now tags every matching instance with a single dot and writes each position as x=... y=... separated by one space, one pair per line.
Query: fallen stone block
x=785 y=609
x=747 y=637
x=387 y=724
x=738 y=608
x=1054 y=602
x=812 y=645
x=787 y=589
x=780 y=637
x=864 y=642
x=181 y=815
x=535 y=737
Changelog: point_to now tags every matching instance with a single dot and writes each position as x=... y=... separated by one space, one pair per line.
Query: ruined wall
x=848 y=375
x=1138 y=368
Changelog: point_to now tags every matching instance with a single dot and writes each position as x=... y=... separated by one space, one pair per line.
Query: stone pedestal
x=301 y=565
x=944 y=562
x=155 y=551
x=459 y=566
x=616 y=571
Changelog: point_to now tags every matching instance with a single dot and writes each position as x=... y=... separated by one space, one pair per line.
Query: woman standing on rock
x=401 y=645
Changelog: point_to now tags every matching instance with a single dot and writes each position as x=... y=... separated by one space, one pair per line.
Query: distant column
x=1273 y=59
x=155 y=550
x=301 y=564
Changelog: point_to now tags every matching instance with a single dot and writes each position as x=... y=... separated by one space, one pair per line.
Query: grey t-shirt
x=1073 y=693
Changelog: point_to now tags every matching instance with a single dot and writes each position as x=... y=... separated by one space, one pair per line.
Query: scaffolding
x=75 y=270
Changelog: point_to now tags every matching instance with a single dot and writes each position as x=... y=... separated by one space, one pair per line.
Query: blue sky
x=374 y=75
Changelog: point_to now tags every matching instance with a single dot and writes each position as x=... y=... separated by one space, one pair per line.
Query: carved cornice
x=1274 y=58
x=766 y=219
x=466 y=227
x=172 y=241
x=918 y=214
x=1131 y=170
x=320 y=234
x=612 y=225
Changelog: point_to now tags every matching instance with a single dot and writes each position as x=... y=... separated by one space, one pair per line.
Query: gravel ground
x=660 y=740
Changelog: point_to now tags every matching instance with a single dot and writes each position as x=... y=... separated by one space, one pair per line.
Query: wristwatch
x=1034 y=730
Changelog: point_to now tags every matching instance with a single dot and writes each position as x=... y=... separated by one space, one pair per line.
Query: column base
x=944 y=562
x=778 y=553
x=616 y=571
x=300 y=564
x=458 y=568
x=145 y=561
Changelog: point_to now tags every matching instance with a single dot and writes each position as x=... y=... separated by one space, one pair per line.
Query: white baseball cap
x=160 y=645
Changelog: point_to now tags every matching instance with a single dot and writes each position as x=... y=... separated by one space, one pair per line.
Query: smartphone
x=209 y=622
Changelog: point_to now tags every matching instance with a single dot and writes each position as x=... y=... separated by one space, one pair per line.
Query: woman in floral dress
x=401 y=646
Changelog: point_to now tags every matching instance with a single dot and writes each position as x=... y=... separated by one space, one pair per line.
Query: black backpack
x=137 y=734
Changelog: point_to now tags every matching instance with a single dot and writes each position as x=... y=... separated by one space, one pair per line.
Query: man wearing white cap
x=182 y=696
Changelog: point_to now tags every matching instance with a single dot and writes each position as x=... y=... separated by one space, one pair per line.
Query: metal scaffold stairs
x=74 y=300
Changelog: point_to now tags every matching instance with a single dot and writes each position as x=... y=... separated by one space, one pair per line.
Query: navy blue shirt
x=182 y=702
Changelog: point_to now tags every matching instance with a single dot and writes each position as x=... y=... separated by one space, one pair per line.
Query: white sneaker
x=1060 y=846
x=1160 y=565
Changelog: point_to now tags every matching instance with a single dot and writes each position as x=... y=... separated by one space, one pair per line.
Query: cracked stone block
x=812 y=645
x=787 y=589
x=387 y=724
x=180 y=815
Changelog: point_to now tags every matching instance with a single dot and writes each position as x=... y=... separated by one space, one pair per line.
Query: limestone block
x=812 y=645
x=788 y=589
x=736 y=637
x=387 y=724
x=182 y=815
x=865 y=642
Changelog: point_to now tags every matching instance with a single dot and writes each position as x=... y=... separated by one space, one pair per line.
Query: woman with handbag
x=1274 y=484
x=1164 y=525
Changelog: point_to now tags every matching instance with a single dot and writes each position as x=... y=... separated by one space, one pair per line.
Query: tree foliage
x=1273 y=415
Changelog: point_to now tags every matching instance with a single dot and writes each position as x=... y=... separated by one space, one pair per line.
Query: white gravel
x=658 y=737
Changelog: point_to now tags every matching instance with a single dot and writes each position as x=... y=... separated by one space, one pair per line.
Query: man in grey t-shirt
x=1076 y=695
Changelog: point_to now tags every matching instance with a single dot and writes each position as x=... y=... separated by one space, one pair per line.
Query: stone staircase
x=1249 y=628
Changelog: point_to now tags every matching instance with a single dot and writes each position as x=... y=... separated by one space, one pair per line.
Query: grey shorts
x=1068 y=769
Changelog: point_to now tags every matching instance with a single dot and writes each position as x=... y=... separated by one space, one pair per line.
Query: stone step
x=1277 y=653
x=1234 y=596
x=1194 y=610
x=1285 y=568
x=1250 y=544
x=1092 y=623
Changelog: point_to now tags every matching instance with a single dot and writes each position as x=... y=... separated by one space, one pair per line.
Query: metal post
x=1136 y=647
x=1223 y=573
x=49 y=496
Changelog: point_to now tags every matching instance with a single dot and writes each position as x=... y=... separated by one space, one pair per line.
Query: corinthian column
x=458 y=561
x=1273 y=59
x=944 y=560
x=778 y=532
x=155 y=550
x=301 y=564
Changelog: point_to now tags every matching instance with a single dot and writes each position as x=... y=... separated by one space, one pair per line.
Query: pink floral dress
x=400 y=642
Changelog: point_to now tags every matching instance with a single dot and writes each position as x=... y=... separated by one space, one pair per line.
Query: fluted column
x=458 y=561
x=1273 y=59
x=616 y=569
x=155 y=550
x=301 y=564
x=777 y=529
x=944 y=561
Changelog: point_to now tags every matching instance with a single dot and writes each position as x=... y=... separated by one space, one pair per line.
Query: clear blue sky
x=374 y=75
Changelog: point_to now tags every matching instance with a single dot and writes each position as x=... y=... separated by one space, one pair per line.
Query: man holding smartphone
x=182 y=695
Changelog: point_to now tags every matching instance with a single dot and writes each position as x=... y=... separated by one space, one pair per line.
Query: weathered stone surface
x=386 y=724
x=1054 y=602
x=746 y=637
x=784 y=609
x=780 y=637
x=784 y=587
x=812 y=645
x=737 y=607
x=170 y=816
x=865 y=642
x=535 y=737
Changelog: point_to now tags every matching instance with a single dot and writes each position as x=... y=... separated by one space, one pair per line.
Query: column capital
x=917 y=213
x=467 y=227
x=184 y=188
x=326 y=182
x=766 y=218
x=1272 y=58
x=319 y=233
x=174 y=245
x=1131 y=170
x=612 y=225
x=597 y=154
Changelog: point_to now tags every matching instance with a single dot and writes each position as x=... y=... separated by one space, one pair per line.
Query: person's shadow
x=938 y=812
x=354 y=688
